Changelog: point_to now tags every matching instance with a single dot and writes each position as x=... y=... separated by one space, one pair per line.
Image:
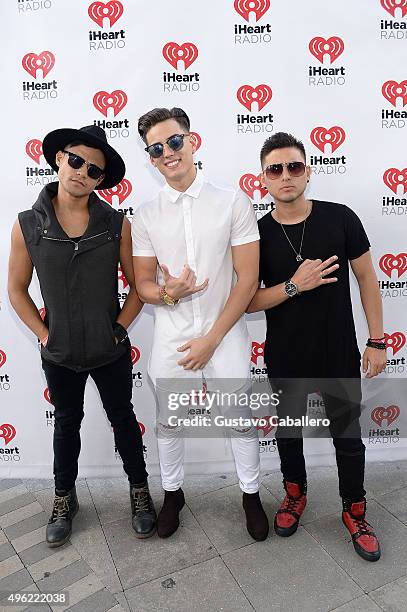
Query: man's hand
x=178 y=287
x=310 y=274
x=374 y=361
x=200 y=351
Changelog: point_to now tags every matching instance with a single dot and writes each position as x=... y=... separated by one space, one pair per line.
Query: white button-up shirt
x=197 y=227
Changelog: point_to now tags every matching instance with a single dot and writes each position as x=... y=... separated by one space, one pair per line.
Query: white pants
x=171 y=450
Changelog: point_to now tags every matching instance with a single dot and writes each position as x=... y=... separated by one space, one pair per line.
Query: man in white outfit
x=195 y=232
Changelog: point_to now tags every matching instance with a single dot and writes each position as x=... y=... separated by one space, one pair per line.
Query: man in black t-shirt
x=305 y=250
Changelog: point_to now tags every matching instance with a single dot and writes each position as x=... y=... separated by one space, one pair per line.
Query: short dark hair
x=150 y=119
x=281 y=140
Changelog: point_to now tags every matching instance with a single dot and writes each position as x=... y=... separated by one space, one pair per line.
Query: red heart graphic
x=42 y=312
x=197 y=140
x=262 y=94
x=135 y=355
x=44 y=61
x=173 y=53
x=33 y=148
x=390 y=262
x=395 y=341
x=122 y=278
x=142 y=428
x=102 y=101
x=249 y=183
x=391 y=5
x=331 y=46
x=122 y=191
x=47 y=395
x=7 y=432
x=3 y=358
x=112 y=10
x=388 y=414
x=266 y=427
x=392 y=90
x=394 y=177
x=258 y=7
x=257 y=351
x=320 y=137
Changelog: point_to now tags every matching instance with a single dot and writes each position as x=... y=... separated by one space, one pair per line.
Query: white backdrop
x=332 y=73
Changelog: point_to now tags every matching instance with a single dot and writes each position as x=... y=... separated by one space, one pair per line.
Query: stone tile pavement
x=211 y=563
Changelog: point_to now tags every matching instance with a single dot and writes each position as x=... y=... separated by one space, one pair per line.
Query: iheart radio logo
x=7 y=432
x=3 y=358
x=197 y=140
x=258 y=7
x=395 y=341
x=42 y=312
x=47 y=395
x=391 y=5
x=33 y=148
x=326 y=46
x=173 y=53
x=390 y=262
x=122 y=278
x=257 y=351
x=249 y=183
x=121 y=191
x=321 y=137
x=98 y=11
x=44 y=61
x=388 y=414
x=262 y=94
x=142 y=428
x=394 y=177
x=135 y=355
x=392 y=90
x=265 y=426
x=102 y=101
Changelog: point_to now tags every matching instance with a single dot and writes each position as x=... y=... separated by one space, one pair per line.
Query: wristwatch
x=120 y=333
x=167 y=299
x=291 y=288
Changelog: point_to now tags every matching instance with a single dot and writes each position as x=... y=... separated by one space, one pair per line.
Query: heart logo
x=393 y=178
x=42 y=312
x=112 y=10
x=3 y=358
x=122 y=190
x=122 y=278
x=249 y=183
x=135 y=355
x=102 y=101
x=395 y=341
x=44 y=61
x=7 y=432
x=388 y=414
x=197 y=140
x=258 y=7
x=33 y=148
x=391 y=5
x=326 y=46
x=257 y=351
x=262 y=94
x=47 y=395
x=321 y=137
x=390 y=262
x=173 y=53
x=392 y=90
x=265 y=425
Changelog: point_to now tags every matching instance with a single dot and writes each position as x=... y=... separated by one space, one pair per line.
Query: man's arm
x=309 y=275
x=363 y=270
x=132 y=304
x=246 y=265
x=19 y=279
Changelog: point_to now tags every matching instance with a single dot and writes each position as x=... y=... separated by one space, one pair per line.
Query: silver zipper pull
x=76 y=246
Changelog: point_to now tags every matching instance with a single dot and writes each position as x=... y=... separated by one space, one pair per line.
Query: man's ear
x=193 y=143
x=58 y=158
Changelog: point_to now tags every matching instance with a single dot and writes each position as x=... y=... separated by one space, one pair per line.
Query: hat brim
x=58 y=139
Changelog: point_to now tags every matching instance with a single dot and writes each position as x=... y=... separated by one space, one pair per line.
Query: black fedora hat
x=94 y=136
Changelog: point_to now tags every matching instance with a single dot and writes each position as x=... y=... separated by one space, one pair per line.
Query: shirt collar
x=193 y=190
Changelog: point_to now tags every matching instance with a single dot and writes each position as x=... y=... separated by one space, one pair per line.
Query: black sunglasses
x=76 y=162
x=274 y=171
x=175 y=142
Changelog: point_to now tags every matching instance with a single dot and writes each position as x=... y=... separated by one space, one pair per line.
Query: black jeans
x=342 y=399
x=67 y=389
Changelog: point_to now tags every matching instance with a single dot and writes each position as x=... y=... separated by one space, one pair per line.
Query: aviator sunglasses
x=175 y=142
x=274 y=171
x=76 y=162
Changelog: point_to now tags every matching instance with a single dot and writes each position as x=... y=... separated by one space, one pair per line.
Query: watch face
x=290 y=289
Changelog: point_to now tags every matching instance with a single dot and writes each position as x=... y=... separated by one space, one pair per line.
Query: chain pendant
x=299 y=258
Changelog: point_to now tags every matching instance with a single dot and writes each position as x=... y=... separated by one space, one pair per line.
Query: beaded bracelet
x=377 y=345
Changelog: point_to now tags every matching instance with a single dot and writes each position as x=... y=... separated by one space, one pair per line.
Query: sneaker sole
x=64 y=541
x=143 y=536
x=285 y=532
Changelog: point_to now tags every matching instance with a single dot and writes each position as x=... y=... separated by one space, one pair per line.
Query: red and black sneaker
x=364 y=538
x=287 y=517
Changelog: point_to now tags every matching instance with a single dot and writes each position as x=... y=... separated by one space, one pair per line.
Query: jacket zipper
x=73 y=241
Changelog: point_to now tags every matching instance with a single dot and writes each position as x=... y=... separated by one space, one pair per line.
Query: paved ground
x=211 y=563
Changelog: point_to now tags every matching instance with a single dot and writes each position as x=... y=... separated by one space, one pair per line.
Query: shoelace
x=61 y=507
x=141 y=501
x=362 y=526
x=290 y=503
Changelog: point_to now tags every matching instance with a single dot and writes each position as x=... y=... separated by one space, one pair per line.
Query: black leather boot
x=143 y=511
x=256 y=519
x=168 y=518
x=59 y=526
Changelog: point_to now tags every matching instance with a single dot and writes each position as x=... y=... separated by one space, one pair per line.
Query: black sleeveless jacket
x=78 y=281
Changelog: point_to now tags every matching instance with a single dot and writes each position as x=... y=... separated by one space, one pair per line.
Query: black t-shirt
x=313 y=334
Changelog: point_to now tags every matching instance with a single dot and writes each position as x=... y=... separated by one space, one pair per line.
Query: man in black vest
x=75 y=241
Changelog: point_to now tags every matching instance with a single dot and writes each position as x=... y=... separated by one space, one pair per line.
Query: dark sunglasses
x=76 y=162
x=276 y=170
x=175 y=142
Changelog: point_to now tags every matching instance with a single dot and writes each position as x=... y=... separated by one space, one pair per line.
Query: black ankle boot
x=143 y=511
x=168 y=518
x=59 y=526
x=256 y=519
